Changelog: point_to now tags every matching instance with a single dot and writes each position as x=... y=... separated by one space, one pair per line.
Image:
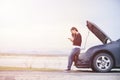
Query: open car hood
x=98 y=32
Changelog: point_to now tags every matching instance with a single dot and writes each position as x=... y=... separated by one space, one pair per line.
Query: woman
x=76 y=40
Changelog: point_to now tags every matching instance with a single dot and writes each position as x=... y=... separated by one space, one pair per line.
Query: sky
x=45 y=24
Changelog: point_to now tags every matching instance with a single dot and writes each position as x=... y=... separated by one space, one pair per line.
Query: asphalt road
x=58 y=75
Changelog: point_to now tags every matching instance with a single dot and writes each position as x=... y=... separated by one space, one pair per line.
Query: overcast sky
x=45 y=24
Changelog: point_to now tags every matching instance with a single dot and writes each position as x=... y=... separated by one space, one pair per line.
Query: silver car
x=101 y=58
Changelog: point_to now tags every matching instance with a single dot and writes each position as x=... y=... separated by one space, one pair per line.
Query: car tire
x=102 y=62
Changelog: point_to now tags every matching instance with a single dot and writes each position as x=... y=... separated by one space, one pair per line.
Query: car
x=103 y=57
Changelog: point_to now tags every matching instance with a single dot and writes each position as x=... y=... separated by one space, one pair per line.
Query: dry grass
x=35 y=55
x=23 y=68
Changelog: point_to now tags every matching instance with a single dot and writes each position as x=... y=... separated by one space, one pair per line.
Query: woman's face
x=73 y=31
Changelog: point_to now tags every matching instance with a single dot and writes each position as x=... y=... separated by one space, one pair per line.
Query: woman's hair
x=74 y=28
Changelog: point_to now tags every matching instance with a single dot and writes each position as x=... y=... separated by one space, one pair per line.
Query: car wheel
x=102 y=62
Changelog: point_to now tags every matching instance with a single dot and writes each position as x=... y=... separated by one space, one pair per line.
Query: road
x=58 y=75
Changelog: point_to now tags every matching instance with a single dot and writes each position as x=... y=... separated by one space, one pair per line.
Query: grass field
x=32 y=62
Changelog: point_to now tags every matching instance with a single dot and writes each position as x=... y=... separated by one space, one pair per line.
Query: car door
x=115 y=49
x=118 y=53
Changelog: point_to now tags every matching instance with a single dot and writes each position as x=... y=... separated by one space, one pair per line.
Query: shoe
x=67 y=70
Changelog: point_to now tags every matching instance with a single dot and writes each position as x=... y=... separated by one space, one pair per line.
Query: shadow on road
x=90 y=71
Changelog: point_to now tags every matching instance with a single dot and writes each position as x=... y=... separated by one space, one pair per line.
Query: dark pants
x=75 y=52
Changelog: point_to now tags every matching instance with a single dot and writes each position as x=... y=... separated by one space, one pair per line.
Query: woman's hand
x=71 y=39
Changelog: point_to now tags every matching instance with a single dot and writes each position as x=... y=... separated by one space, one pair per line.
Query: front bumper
x=83 y=61
x=82 y=64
